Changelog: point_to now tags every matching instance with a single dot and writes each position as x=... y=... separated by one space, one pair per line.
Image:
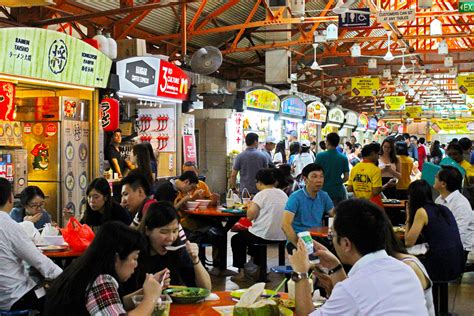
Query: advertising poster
x=395 y=103
x=364 y=87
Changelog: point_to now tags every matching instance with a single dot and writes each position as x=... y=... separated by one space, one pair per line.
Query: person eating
x=32 y=207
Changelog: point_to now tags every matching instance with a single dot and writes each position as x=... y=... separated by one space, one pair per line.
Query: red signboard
x=109 y=109
x=172 y=82
x=7 y=101
x=189 y=144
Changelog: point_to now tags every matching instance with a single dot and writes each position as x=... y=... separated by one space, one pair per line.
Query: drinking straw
x=279 y=287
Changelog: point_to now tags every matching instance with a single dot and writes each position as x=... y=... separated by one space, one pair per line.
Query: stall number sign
x=364 y=87
x=395 y=16
x=172 y=82
x=465 y=7
x=466 y=84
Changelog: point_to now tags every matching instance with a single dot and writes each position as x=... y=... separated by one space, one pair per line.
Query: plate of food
x=287 y=303
x=53 y=248
x=187 y=295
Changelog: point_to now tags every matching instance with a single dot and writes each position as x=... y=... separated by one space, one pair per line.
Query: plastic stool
x=202 y=254
x=261 y=254
x=286 y=270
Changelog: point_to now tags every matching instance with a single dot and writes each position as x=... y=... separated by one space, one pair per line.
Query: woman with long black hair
x=140 y=157
x=280 y=153
x=435 y=223
x=389 y=165
x=90 y=285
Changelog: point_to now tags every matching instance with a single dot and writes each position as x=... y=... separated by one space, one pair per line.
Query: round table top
x=69 y=253
x=213 y=211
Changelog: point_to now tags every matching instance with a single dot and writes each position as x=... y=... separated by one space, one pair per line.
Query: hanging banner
x=294 y=106
x=151 y=76
x=459 y=126
x=189 y=148
x=413 y=111
x=262 y=99
x=364 y=87
x=7 y=101
x=43 y=54
x=336 y=115
x=234 y=132
x=466 y=84
x=395 y=103
x=316 y=111
x=109 y=114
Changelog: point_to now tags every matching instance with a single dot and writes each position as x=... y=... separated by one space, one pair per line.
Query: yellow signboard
x=262 y=99
x=413 y=111
x=364 y=87
x=466 y=84
x=395 y=103
x=459 y=126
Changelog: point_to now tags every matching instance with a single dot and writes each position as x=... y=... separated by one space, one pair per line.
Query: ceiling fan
x=341 y=8
x=389 y=55
x=315 y=65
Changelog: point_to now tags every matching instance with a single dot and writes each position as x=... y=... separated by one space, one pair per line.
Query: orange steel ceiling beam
x=216 y=13
x=197 y=14
x=135 y=22
x=129 y=18
x=184 y=32
x=242 y=30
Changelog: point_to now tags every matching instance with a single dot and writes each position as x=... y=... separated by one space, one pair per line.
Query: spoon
x=174 y=248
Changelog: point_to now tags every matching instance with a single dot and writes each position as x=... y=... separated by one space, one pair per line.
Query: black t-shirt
x=111 y=153
x=116 y=213
x=178 y=262
x=165 y=191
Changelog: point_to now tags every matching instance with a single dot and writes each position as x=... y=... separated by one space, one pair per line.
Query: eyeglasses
x=37 y=205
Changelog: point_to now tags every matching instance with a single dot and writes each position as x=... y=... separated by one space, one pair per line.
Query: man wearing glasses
x=377 y=283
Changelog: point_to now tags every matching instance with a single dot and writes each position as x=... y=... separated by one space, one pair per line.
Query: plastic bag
x=77 y=235
x=49 y=230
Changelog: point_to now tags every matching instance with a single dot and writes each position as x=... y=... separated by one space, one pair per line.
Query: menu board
x=316 y=111
x=293 y=106
x=262 y=99
x=49 y=55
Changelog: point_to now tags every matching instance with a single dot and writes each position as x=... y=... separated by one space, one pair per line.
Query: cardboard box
x=131 y=48
x=207 y=87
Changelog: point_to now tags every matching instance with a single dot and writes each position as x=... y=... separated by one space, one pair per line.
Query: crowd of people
x=130 y=253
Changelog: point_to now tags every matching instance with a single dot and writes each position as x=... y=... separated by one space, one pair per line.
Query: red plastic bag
x=243 y=224
x=78 y=236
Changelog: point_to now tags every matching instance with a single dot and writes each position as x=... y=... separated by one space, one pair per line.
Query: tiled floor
x=461 y=296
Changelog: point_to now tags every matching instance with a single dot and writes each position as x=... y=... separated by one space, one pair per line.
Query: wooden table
x=322 y=232
x=205 y=308
x=396 y=212
x=63 y=258
x=229 y=218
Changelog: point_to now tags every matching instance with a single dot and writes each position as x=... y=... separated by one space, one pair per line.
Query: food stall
x=261 y=105
x=316 y=115
x=292 y=113
x=49 y=126
x=154 y=89
x=362 y=122
x=334 y=123
x=371 y=129
x=350 y=123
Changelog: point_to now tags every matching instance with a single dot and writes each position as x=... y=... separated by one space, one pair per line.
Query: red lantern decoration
x=7 y=101
x=109 y=109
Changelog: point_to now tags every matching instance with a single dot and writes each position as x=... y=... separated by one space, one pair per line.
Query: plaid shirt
x=103 y=298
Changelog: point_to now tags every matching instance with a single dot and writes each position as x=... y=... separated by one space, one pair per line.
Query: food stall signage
x=7 y=101
x=235 y=126
x=351 y=118
x=262 y=99
x=373 y=124
x=151 y=76
x=362 y=122
x=109 y=113
x=395 y=102
x=316 y=111
x=54 y=56
x=364 y=87
x=336 y=116
x=293 y=106
x=466 y=84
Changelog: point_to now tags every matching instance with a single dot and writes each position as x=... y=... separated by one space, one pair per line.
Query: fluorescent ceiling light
x=44 y=82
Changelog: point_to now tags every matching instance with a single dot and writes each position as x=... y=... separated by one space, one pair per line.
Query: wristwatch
x=335 y=269
x=298 y=276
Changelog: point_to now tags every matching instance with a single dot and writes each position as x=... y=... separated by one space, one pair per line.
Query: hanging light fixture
x=448 y=61
x=372 y=63
x=355 y=50
x=425 y=4
x=443 y=47
x=331 y=32
x=436 y=27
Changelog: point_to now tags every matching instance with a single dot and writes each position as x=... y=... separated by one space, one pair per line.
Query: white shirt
x=267 y=225
x=429 y=291
x=16 y=249
x=461 y=209
x=277 y=158
x=301 y=161
x=377 y=285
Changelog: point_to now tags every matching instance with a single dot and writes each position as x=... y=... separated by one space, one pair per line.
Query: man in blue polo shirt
x=306 y=207
x=336 y=169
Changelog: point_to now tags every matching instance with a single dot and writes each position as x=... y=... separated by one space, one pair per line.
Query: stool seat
x=282 y=269
x=262 y=257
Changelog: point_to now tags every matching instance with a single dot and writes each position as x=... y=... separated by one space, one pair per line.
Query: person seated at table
x=101 y=208
x=91 y=284
x=265 y=212
x=305 y=208
x=437 y=225
x=206 y=192
x=365 y=179
x=186 y=183
x=32 y=207
x=18 y=289
x=135 y=196
x=161 y=228
x=448 y=183
x=377 y=284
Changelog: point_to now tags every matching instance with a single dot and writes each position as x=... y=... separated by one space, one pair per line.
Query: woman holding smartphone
x=390 y=167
